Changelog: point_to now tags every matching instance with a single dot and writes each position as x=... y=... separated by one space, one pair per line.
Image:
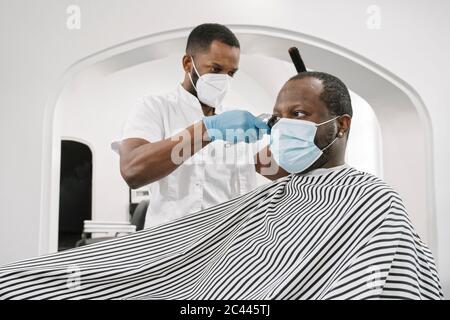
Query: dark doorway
x=75 y=197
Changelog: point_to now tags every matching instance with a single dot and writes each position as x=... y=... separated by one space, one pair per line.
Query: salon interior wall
x=37 y=47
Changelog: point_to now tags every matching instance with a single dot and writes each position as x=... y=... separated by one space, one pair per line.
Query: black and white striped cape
x=340 y=235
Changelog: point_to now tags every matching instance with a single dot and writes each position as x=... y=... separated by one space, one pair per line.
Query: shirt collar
x=188 y=98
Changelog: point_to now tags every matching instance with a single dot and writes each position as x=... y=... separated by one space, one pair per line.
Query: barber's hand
x=235 y=126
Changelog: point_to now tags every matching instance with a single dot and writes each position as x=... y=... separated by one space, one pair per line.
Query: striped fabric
x=343 y=234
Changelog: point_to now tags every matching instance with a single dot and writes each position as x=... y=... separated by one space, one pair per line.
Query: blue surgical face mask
x=292 y=144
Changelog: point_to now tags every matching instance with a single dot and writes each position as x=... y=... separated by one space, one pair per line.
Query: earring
x=340 y=134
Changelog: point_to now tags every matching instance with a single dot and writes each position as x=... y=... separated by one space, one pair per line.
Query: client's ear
x=344 y=125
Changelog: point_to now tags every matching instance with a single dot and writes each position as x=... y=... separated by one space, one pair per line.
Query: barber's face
x=221 y=58
x=300 y=99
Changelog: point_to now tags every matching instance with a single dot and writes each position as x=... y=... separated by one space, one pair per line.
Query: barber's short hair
x=202 y=36
x=335 y=94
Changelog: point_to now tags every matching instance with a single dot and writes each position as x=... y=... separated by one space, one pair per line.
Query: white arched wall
x=404 y=123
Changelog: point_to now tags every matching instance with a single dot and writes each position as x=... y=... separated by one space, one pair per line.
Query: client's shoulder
x=369 y=179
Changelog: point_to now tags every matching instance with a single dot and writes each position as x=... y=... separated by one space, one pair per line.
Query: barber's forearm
x=153 y=161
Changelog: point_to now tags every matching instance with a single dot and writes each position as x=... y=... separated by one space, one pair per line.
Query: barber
x=175 y=142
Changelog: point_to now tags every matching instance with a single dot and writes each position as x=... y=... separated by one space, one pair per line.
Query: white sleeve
x=145 y=121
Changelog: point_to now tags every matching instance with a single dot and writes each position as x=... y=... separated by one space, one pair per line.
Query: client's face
x=300 y=99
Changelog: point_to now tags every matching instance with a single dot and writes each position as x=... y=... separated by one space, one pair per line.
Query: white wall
x=36 y=48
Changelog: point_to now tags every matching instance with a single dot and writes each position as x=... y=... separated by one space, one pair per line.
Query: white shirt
x=213 y=175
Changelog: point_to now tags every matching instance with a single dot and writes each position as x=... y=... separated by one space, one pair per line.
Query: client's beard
x=326 y=155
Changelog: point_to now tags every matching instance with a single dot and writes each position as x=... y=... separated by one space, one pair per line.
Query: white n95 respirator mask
x=292 y=144
x=211 y=88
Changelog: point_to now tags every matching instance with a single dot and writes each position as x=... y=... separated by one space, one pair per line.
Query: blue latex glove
x=235 y=126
